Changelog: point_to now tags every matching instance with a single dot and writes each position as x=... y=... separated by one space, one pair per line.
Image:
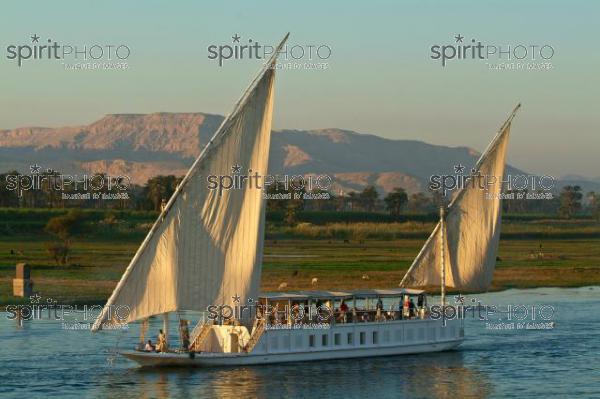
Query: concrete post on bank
x=22 y=283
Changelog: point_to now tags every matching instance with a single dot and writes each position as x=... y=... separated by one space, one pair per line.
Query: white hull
x=265 y=355
x=243 y=359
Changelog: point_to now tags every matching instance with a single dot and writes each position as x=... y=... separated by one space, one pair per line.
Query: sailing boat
x=465 y=241
x=204 y=252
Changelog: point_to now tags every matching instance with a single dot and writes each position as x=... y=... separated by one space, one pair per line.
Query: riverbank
x=95 y=267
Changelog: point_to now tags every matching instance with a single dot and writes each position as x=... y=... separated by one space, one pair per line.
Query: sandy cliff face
x=145 y=145
x=179 y=133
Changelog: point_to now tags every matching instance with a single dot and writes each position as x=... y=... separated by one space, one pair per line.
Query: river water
x=497 y=360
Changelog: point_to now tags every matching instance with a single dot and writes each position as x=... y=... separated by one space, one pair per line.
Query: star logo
x=459 y=298
x=35 y=168
x=236 y=38
x=459 y=38
x=35 y=298
x=35 y=38
x=236 y=298
x=459 y=168
x=236 y=168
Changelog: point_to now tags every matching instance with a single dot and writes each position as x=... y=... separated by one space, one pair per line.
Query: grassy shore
x=533 y=253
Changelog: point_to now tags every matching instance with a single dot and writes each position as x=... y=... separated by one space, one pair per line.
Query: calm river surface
x=41 y=359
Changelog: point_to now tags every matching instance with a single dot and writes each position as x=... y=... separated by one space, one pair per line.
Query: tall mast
x=442 y=256
x=166 y=327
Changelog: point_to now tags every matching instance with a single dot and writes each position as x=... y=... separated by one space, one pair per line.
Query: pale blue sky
x=381 y=79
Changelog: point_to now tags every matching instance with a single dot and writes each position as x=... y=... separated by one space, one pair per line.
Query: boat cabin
x=299 y=313
x=305 y=308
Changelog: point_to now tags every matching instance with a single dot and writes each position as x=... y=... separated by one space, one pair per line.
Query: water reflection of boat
x=205 y=253
x=427 y=375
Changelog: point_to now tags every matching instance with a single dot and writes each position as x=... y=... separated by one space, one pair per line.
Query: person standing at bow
x=161 y=346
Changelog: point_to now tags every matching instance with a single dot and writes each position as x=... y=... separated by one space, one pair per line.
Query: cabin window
x=350 y=339
x=337 y=339
x=375 y=337
x=324 y=339
x=311 y=341
x=363 y=338
x=410 y=334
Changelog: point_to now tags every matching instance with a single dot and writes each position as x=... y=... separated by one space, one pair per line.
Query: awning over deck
x=365 y=293
x=386 y=293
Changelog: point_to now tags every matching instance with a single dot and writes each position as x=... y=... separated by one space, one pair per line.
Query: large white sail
x=472 y=228
x=206 y=247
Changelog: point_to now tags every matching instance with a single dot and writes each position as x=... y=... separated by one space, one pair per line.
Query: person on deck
x=318 y=305
x=185 y=335
x=277 y=315
x=379 y=308
x=149 y=347
x=412 y=308
x=343 y=311
x=420 y=301
x=161 y=346
x=405 y=307
x=400 y=310
x=306 y=313
x=296 y=313
x=421 y=306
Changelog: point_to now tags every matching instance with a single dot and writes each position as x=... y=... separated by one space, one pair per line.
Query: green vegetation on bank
x=131 y=225
x=340 y=249
x=94 y=267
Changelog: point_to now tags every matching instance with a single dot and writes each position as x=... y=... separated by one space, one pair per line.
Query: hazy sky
x=380 y=79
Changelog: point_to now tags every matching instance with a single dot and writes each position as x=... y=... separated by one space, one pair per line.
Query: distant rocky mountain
x=145 y=145
x=586 y=183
